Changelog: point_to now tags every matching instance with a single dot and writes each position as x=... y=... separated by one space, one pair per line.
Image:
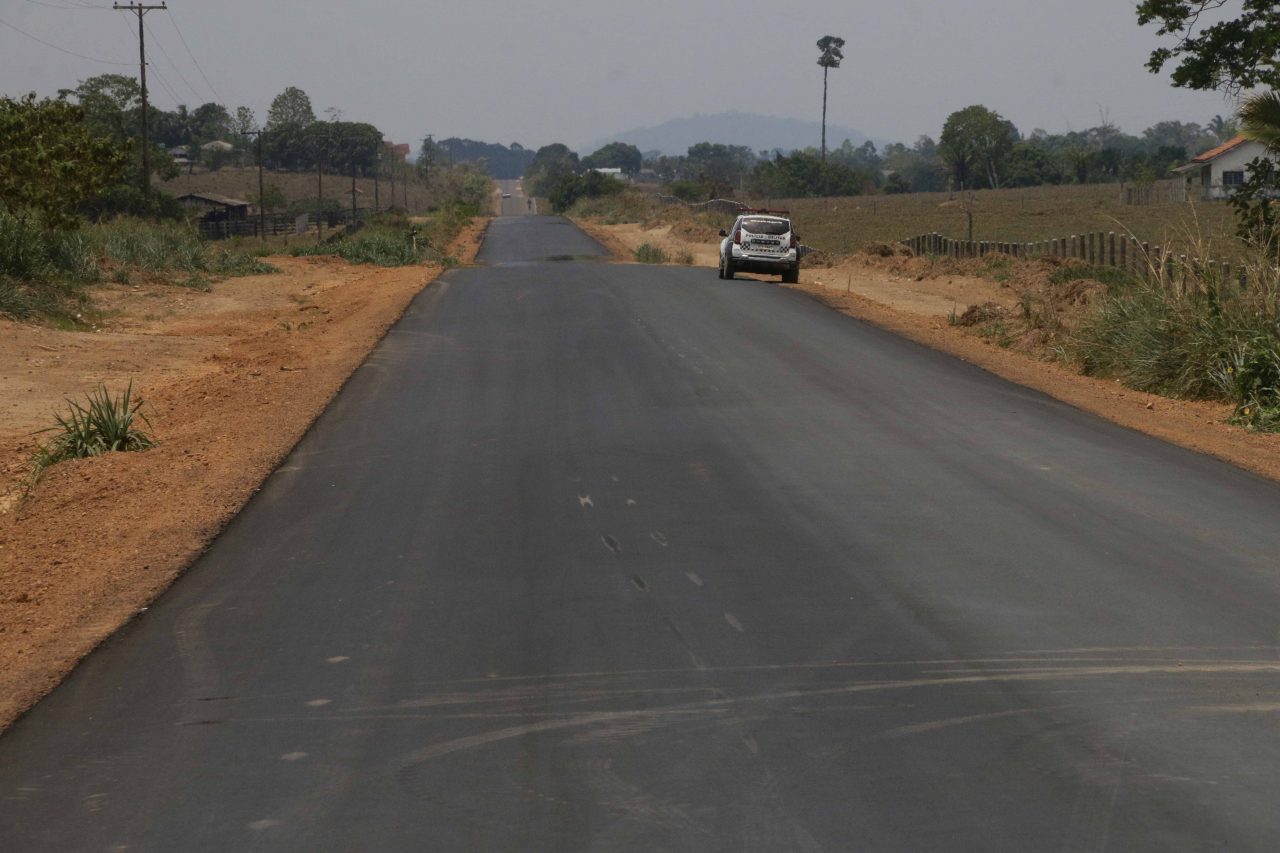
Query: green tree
x=1222 y=128
x=290 y=107
x=212 y=121
x=832 y=54
x=721 y=165
x=1230 y=55
x=803 y=174
x=550 y=164
x=245 y=121
x=111 y=104
x=975 y=143
x=1260 y=119
x=615 y=155
x=353 y=145
x=53 y=162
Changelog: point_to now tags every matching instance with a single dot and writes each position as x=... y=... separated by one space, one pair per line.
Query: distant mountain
x=760 y=133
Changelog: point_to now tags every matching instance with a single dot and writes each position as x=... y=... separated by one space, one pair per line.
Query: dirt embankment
x=231 y=380
x=916 y=297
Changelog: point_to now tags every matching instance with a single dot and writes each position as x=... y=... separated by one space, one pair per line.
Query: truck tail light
x=737 y=238
x=793 y=241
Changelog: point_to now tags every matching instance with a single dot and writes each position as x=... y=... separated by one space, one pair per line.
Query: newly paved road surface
x=592 y=557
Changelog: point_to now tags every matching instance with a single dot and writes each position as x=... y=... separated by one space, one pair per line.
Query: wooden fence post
x=1111 y=261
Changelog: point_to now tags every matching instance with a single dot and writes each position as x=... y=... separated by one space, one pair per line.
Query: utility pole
x=377 y=167
x=262 y=193
x=321 y=146
x=140 y=11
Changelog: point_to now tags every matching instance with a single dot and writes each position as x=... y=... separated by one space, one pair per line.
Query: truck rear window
x=766 y=226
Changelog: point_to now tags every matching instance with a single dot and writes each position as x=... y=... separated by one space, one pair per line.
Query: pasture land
x=842 y=226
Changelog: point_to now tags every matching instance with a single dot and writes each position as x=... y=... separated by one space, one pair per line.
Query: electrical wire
x=173 y=20
x=169 y=59
x=155 y=72
x=60 y=49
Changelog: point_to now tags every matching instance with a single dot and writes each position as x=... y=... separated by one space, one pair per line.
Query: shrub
x=647 y=253
x=384 y=248
x=1216 y=344
x=23 y=252
x=106 y=423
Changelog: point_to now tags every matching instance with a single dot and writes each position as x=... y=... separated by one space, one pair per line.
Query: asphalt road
x=515 y=203
x=599 y=557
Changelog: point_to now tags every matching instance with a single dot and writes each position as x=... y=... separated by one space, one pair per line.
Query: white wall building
x=1220 y=170
x=612 y=172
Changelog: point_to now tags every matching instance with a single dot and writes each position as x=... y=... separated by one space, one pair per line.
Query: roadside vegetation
x=45 y=272
x=104 y=423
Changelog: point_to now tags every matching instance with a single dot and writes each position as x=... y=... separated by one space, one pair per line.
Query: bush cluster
x=1213 y=343
x=43 y=270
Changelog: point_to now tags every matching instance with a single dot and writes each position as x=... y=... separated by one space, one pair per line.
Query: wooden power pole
x=262 y=192
x=140 y=10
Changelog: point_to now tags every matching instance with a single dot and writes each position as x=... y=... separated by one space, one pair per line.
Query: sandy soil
x=231 y=380
x=908 y=296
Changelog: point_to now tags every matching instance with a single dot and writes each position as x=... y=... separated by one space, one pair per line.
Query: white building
x=611 y=172
x=1220 y=170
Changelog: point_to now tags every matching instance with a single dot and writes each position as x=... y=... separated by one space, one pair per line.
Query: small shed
x=1220 y=170
x=212 y=207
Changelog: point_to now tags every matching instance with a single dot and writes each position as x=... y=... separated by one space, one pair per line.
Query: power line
x=172 y=64
x=141 y=10
x=174 y=20
x=56 y=6
x=155 y=71
x=60 y=49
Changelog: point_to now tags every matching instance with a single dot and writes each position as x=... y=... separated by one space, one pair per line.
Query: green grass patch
x=383 y=248
x=647 y=253
x=44 y=272
x=105 y=423
x=1203 y=344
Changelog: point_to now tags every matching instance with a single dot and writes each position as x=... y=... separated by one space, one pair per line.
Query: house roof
x=1215 y=153
x=214 y=198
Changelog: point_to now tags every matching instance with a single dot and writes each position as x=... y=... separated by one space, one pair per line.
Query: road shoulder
x=232 y=379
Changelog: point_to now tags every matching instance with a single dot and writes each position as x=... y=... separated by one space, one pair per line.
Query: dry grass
x=844 y=225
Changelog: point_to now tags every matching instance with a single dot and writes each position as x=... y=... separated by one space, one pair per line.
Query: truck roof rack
x=764 y=210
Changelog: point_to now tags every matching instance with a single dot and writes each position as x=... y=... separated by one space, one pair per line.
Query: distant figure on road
x=528 y=203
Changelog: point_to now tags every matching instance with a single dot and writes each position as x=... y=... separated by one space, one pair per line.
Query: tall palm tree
x=830 y=58
x=1260 y=119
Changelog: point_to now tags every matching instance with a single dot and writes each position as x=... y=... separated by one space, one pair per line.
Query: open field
x=845 y=225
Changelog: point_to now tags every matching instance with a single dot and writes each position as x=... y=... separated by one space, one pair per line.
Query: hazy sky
x=541 y=71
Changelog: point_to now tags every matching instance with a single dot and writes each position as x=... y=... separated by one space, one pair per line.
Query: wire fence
x=1100 y=248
